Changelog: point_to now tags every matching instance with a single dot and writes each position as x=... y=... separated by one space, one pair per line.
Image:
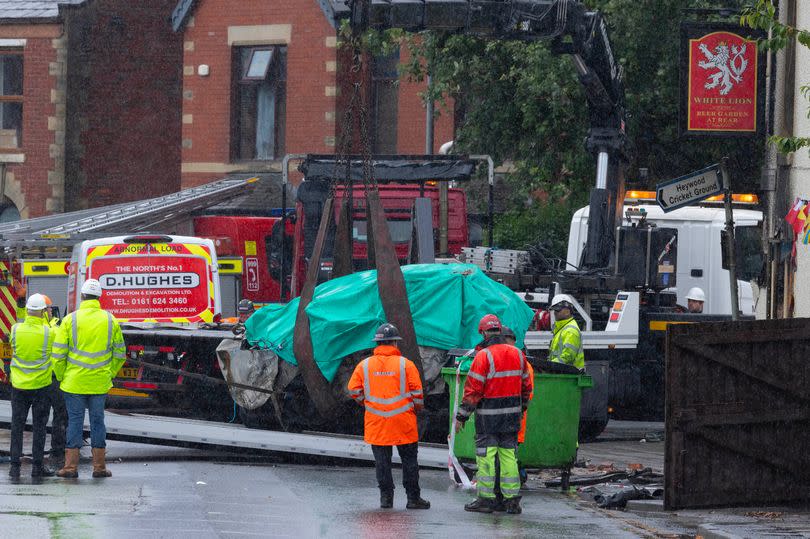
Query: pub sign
x=722 y=81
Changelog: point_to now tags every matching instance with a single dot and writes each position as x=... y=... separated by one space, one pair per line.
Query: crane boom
x=573 y=30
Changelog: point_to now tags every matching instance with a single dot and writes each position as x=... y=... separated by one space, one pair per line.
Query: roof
x=260 y=201
x=155 y=215
x=182 y=11
x=715 y=213
x=390 y=168
x=34 y=9
x=333 y=10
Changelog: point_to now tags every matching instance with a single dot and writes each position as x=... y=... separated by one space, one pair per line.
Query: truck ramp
x=183 y=432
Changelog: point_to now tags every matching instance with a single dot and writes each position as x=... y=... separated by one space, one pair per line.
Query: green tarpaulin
x=447 y=300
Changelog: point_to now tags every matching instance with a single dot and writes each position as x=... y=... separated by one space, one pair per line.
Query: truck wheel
x=590 y=430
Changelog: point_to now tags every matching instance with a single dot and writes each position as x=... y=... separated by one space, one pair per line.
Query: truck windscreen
x=400 y=230
x=748 y=244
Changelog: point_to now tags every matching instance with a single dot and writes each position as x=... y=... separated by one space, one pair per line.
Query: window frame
x=277 y=65
x=15 y=51
x=246 y=77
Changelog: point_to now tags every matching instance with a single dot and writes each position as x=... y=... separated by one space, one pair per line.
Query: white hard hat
x=92 y=287
x=696 y=294
x=36 y=302
x=560 y=301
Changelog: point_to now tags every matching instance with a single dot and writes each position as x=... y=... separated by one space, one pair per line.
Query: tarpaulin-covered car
x=446 y=302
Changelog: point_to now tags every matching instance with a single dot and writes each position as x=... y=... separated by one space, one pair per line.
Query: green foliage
x=372 y=41
x=762 y=15
x=546 y=223
x=646 y=39
x=524 y=105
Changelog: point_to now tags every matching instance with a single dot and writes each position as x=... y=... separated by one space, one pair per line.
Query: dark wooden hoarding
x=737 y=413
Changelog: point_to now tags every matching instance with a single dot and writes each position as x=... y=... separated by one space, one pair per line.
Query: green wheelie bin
x=552 y=421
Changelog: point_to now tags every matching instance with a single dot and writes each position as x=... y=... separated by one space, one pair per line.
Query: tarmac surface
x=200 y=499
x=159 y=491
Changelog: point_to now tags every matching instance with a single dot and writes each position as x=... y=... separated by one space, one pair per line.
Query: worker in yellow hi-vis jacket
x=31 y=370
x=88 y=352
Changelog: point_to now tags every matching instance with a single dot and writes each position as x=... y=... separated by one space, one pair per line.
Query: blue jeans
x=76 y=405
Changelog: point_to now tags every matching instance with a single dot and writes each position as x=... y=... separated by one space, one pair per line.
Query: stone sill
x=12 y=157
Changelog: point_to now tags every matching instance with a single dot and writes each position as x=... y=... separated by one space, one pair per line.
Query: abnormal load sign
x=722 y=81
x=176 y=279
x=154 y=282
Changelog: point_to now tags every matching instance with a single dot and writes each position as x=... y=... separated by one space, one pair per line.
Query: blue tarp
x=447 y=301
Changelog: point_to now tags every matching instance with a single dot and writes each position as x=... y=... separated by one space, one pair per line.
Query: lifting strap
x=317 y=385
x=342 y=251
x=390 y=282
x=381 y=254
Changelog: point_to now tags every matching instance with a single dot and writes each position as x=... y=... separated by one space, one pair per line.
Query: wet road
x=159 y=491
x=209 y=499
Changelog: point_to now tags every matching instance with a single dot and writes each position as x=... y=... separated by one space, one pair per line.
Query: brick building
x=90 y=104
x=264 y=79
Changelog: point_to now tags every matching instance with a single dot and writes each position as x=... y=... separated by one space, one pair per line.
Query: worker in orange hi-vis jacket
x=388 y=386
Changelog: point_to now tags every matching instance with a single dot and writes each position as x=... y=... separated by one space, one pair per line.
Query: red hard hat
x=489 y=322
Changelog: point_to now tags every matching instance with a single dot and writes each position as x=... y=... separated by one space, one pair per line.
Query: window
x=748 y=247
x=384 y=103
x=400 y=230
x=9 y=213
x=260 y=102
x=11 y=99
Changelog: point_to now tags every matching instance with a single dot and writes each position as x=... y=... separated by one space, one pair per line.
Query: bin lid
x=554 y=367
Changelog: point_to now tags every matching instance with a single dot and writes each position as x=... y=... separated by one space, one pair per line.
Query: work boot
x=71 y=467
x=386 y=500
x=479 y=505
x=417 y=503
x=14 y=471
x=39 y=470
x=56 y=459
x=498 y=505
x=99 y=466
x=513 y=505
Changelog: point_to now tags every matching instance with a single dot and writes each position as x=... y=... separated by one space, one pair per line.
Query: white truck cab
x=699 y=253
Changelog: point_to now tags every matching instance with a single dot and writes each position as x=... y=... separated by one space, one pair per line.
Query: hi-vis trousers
x=503 y=447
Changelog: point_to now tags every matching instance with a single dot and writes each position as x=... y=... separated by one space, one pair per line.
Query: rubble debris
x=771 y=515
x=633 y=476
x=588 y=479
x=618 y=500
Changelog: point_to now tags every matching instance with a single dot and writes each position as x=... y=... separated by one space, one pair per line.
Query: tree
x=523 y=104
x=762 y=15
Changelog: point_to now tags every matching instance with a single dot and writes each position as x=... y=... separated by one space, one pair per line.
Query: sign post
x=689 y=189
x=732 y=252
